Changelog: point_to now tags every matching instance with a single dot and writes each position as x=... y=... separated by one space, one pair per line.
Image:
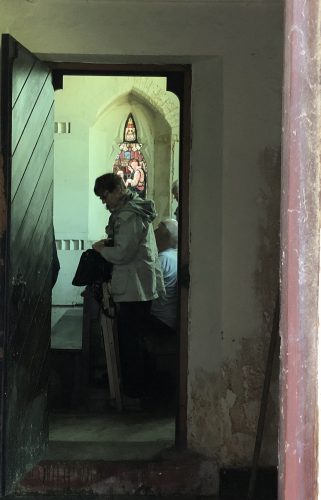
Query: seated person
x=160 y=329
x=164 y=309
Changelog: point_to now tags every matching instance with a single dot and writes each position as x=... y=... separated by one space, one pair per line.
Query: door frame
x=299 y=428
x=179 y=81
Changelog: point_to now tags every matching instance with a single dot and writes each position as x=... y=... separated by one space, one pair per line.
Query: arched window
x=130 y=162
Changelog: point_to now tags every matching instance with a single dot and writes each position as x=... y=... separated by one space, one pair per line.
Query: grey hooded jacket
x=136 y=272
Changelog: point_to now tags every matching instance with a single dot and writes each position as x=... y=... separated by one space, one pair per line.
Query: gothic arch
x=158 y=100
x=162 y=110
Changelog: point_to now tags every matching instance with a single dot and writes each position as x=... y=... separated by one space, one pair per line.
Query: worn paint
x=300 y=219
x=266 y=280
x=183 y=475
x=266 y=275
x=226 y=407
x=225 y=404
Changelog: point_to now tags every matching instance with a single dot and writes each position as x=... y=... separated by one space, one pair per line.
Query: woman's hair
x=108 y=182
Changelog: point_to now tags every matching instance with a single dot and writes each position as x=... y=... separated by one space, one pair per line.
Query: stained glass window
x=130 y=163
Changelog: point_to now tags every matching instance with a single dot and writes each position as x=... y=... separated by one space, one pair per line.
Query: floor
x=102 y=435
x=66 y=327
x=101 y=432
x=109 y=436
x=107 y=497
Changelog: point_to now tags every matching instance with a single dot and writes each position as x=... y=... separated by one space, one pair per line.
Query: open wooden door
x=26 y=257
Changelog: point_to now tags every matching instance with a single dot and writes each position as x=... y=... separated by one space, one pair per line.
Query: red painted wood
x=299 y=254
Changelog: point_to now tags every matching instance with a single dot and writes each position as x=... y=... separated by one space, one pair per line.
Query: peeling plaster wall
x=235 y=49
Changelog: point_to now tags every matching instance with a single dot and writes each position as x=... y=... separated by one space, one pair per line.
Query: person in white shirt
x=161 y=326
x=164 y=308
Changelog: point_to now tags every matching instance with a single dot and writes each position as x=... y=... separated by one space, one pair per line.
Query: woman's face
x=111 y=198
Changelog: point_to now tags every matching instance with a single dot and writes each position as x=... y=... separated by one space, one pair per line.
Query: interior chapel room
x=101 y=125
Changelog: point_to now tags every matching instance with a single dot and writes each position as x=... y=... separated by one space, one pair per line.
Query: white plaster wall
x=97 y=109
x=236 y=102
x=117 y=115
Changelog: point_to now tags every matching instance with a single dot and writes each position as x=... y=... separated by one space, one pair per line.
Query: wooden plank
x=34 y=353
x=20 y=259
x=30 y=136
x=33 y=269
x=183 y=261
x=22 y=68
x=29 y=348
x=26 y=101
x=5 y=130
x=29 y=309
x=31 y=177
x=23 y=234
x=37 y=360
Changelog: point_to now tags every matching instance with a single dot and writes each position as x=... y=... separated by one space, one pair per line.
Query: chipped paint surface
x=155 y=478
x=224 y=404
x=225 y=409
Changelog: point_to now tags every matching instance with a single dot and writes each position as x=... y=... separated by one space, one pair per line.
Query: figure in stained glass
x=130 y=130
x=130 y=163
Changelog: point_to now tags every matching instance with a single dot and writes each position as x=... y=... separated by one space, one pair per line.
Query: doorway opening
x=27 y=98
x=93 y=115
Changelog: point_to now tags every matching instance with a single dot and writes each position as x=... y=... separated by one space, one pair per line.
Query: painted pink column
x=298 y=438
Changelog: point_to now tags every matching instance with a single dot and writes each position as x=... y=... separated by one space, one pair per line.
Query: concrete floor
x=66 y=327
x=116 y=454
x=110 y=436
x=102 y=433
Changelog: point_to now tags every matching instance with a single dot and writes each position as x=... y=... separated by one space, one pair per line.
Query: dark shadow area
x=116 y=497
x=84 y=422
x=234 y=484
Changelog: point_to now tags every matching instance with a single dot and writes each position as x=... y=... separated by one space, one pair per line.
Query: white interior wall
x=97 y=126
x=144 y=119
x=230 y=195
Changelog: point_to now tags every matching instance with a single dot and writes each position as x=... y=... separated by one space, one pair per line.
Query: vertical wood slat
x=183 y=260
x=5 y=128
x=24 y=348
x=26 y=101
x=21 y=73
x=31 y=176
x=30 y=219
x=30 y=136
x=33 y=269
